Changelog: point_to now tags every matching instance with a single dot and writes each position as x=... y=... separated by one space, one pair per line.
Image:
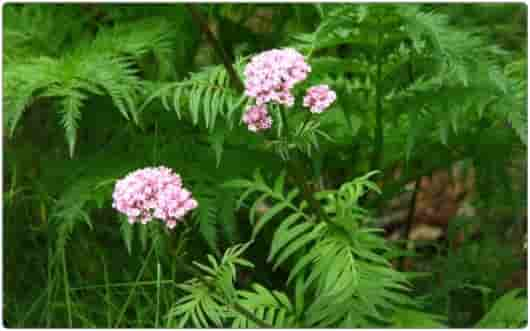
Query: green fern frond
x=27 y=29
x=207 y=94
x=341 y=259
x=515 y=109
x=24 y=83
x=135 y=39
x=344 y=272
x=198 y=305
x=70 y=116
x=209 y=298
x=207 y=219
x=105 y=66
x=273 y=307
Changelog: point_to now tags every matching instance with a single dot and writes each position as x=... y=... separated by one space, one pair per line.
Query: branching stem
x=216 y=45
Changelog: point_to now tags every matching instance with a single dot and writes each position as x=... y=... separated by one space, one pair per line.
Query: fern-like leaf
x=273 y=307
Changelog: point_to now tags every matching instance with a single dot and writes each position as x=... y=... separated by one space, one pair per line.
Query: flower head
x=319 y=98
x=270 y=76
x=257 y=118
x=150 y=193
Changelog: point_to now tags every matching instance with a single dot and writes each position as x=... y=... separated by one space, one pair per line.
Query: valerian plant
x=265 y=139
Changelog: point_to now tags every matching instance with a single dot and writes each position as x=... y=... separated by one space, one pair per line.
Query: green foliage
x=206 y=93
x=420 y=88
x=510 y=311
x=202 y=300
x=273 y=307
x=406 y=318
x=350 y=281
x=432 y=74
x=104 y=65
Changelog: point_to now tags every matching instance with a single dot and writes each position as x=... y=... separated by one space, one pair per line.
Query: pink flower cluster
x=257 y=118
x=153 y=193
x=270 y=76
x=318 y=98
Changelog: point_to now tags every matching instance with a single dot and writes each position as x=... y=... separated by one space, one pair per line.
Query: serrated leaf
x=268 y=216
x=294 y=246
x=278 y=184
x=282 y=237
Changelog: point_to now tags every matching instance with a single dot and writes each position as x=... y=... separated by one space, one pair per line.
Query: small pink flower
x=257 y=118
x=270 y=76
x=319 y=98
x=153 y=193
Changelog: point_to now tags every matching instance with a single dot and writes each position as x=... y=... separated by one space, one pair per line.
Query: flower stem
x=306 y=120
x=284 y=121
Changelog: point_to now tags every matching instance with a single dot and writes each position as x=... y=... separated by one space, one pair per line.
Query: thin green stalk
x=284 y=122
x=67 y=291
x=32 y=308
x=298 y=173
x=157 y=314
x=306 y=120
x=49 y=289
x=156 y=156
x=378 y=134
x=107 y=293
x=314 y=204
x=124 y=284
x=131 y=293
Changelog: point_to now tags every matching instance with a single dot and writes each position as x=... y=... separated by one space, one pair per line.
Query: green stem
x=306 y=120
x=156 y=156
x=107 y=293
x=67 y=291
x=190 y=270
x=298 y=172
x=378 y=134
x=125 y=284
x=32 y=308
x=50 y=289
x=284 y=122
x=157 y=314
x=133 y=290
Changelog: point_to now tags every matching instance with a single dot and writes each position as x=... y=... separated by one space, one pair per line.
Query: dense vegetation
x=402 y=205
